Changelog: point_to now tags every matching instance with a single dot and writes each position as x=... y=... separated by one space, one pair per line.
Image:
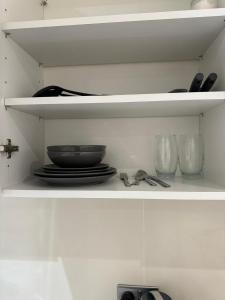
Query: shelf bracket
x=9 y=148
x=5 y=106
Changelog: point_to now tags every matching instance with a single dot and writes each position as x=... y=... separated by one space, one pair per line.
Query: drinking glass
x=166 y=155
x=203 y=4
x=191 y=155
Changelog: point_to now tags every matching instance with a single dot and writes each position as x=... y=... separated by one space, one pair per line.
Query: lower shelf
x=181 y=189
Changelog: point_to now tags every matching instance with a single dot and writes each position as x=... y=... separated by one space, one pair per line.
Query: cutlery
x=154 y=179
x=142 y=175
x=125 y=179
x=160 y=182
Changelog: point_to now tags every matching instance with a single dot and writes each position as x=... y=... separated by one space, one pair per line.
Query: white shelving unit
x=147 y=37
x=146 y=105
x=181 y=189
x=59 y=238
x=132 y=38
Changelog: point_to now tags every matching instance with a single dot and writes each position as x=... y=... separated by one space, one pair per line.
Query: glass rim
x=165 y=135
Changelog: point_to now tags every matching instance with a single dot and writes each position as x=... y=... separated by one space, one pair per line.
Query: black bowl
x=76 y=159
x=77 y=148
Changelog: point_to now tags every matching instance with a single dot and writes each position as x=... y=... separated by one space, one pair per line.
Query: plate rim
x=100 y=166
x=62 y=176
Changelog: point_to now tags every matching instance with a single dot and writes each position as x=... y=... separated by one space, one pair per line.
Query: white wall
x=22 y=10
x=130 y=142
x=70 y=8
x=213 y=121
x=124 y=78
x=21 y=78
x=213 y=61
x=14 y=10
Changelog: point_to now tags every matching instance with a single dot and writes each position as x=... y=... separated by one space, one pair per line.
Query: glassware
x=166 y=155
x=191 y=155
x=203 y=4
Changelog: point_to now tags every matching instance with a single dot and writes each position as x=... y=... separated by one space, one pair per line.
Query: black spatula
x=196 y=83
x=209 y=82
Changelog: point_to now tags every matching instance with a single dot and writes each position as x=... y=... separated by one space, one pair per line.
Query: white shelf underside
x=147 y=105
x=181 y=189
x=164 y=36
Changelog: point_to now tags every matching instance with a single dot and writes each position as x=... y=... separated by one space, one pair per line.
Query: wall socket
x=136 y=290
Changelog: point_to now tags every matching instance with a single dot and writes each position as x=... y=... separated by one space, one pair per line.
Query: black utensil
x=196 y=83
x=55 y=91
x=179 y=91
x=209 y=82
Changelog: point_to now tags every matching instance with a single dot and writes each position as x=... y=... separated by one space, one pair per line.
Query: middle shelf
x=140 y=105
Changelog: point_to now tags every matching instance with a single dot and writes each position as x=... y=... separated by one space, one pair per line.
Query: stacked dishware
x=75 y=165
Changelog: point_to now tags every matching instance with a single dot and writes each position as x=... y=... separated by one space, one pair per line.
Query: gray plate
x=55 y=168
x=41 y=172
x=77 y=181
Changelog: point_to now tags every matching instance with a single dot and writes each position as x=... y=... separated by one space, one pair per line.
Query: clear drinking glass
x=203 y=4
x=191 y=155
x=166 y=155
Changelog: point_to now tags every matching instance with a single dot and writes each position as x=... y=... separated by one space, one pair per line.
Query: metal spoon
x=125 y=179
x=142 y=175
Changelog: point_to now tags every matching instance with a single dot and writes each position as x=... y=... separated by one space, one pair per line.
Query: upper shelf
x=146 y=37
x=145 y=105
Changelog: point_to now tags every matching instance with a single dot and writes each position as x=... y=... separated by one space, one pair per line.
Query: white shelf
x=114 y=189
x=146 y=105
x=145 y=37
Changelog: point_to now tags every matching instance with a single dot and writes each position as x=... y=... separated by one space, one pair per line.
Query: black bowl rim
x=76 y=152
x=77 y=148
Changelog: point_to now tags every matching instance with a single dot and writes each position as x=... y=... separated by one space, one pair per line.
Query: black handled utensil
x=196 y=83
x=179 y=91
x=209 y=82
x=55 y=91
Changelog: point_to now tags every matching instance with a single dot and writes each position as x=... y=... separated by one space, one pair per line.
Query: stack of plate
x=75 y=165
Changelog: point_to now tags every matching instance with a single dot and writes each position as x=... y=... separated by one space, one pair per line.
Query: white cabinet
x=79 y=242
x=155 y=53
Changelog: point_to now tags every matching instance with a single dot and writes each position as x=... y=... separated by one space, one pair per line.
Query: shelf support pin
x=44 y=3
x=7 y=34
